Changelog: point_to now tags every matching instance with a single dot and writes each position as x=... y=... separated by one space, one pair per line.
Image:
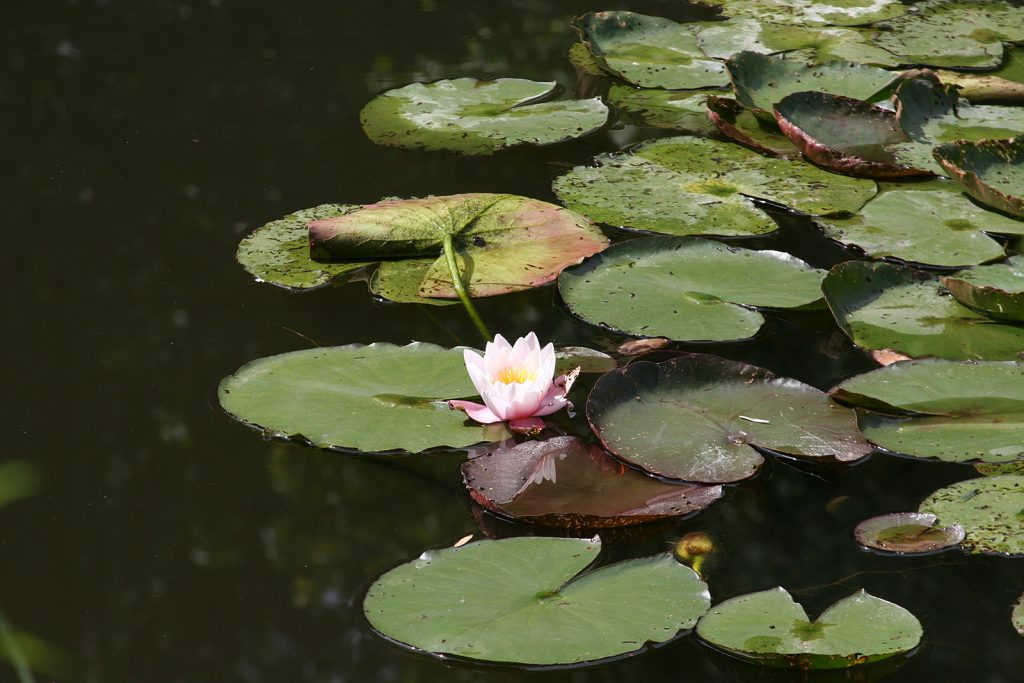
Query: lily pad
x=1017 y=616
x=670 y=109
x=587 y=360
x=566 y=482
x=983 y=87
x=702 y=418
x=525 y=601
x=993 y=469
x=372 y=398
x=991 y=171
x=770 y=628
x=996 y=291
x=888 y=306
x=686 y=289
x=928 y=223
x=278 y=252
x=697 y=186
x=990 y=509
x=504 y=243
x=811 y=12
x=651 y=52
x=760 y=81
x=907 y=533
x=737 y=122
x=470 y=116
x=725 y=38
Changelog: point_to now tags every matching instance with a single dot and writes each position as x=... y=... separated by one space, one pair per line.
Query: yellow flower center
x=515 y=376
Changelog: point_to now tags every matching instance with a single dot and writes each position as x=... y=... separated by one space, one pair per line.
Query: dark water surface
x=141 y=141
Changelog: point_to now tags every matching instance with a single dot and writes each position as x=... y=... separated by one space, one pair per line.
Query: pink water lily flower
x=515 y=382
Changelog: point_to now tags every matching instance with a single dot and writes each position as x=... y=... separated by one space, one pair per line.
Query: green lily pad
x=697 y=186
x=686 y=289
x=888 y=306
x=567 y=482
x=568 y=358
x=525 y=601
x=811 y=12
x=770 y=628
x=907 y=533
x=670 y=109
x=278 y=252
x=469 y=116
x=929 y=223
x=1017 y=616
x=504 y=243
x=702 y=418
x=651 y=52
x=953 y=33
x=994 y=469
x=580 y=57
x=372 y=398
x=990 y=509
x=760 y=81
x=991 y=171
x=997 y=291
x=983 y=87
x=738 y=123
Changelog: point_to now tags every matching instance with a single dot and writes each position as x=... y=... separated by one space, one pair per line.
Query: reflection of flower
x=515 y=382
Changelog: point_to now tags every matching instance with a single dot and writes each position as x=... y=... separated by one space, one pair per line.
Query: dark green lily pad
x=991 y=171
x=702 y=418
x=505 y=243
x=907 y=533
x=723 y=39
x=580 y=57
x=686 y=289
x=278 y=252
x=997 y=291
x=888 y=306
x=761 y=81
x=469 y=116
x=525 y=601
x=566 y=482
x=737 y=122
x=812 y=13
x=990 y=509
x=770 y=628
x=372 y=398
x=931 y=224
x=651 y=52
x=697 y=186
x=670 y=109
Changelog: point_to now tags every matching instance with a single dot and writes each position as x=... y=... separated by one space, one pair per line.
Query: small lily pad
x=888 y=306
x=686 y=289
x=907 y=533
x=702 y=418
x=770 y=628
x=470 y=116
x=990 y=509
x=567 y=482
x=670 y=109
x=525 y=601
x=991 y=171
x=997 y=291
x=737 y=122
x=812 y=12
x=650 y=52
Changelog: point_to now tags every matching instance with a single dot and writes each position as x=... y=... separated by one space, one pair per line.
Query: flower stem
x=460 y=289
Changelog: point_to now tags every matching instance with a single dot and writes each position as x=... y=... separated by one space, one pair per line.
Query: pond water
x=169 y=543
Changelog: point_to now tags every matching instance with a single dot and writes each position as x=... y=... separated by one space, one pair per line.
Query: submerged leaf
x=907 y=533
x=989 y=509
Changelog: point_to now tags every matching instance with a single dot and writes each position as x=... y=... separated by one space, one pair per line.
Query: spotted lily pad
x=770 y=628
x=907 y=533
x=991 y=171
x=697 y=186
x=372 y=398
x=990 y=509
x=702 y=418
x=996 y=291
x=888 y=306
x=737 y=122
x=811 y=12
x=928 y=223
x=682 y=110
x=651 y=52
x=725 y=38
x=567 y=482
x=477 y=117
x=686 y=288
x=525 y=601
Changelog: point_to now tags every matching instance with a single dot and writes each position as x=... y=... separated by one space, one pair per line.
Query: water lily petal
x=527 y=425
x=555 y=399
x=476 y=412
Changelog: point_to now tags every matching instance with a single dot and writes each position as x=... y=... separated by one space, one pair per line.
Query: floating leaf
x=770 y=628
x=990 y=509
x=984 y=87
x=991 y=171
x=368 y=398
x=927 y=223
x=587 y=360
x=696 y=186
x=686 y=289
x=811 y=12
x=996 y=291
x=568 y=483
x=648 y=51
x=477 y=117
x=737 y=122
x=907 y=533
x=580 y=57
x=992 y=469
x=675 y=110
x=699 y=418
x=524 y=601
x=887 y=306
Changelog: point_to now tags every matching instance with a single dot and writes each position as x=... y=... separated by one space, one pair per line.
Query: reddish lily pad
x=737 y=122
x=991 y=171
x=907 y=533
x=566 y=482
